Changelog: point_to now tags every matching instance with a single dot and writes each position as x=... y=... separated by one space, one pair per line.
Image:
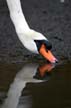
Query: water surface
x=35 y=85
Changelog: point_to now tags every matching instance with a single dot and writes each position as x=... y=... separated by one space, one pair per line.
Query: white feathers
x=17 y=16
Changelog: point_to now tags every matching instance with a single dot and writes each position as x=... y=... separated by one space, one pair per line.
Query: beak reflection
x=44 y=71
x=45 y=68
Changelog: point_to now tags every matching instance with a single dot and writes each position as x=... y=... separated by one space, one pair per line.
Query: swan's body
x=26 y=35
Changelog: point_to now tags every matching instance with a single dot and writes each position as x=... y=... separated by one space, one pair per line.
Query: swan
x=32 y=40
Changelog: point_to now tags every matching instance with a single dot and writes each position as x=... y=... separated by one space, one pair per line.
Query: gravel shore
x=50 y=17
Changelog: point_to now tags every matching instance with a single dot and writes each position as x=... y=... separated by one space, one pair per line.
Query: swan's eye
x=47 y=44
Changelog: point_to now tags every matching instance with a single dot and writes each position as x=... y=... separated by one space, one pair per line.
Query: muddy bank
x=50 y=17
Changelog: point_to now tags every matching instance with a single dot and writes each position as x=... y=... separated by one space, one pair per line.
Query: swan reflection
x=31 y=72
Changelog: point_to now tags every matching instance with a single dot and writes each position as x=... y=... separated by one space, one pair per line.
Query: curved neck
x=17 y=15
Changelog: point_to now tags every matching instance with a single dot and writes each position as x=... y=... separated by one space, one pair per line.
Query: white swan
x=32 y=40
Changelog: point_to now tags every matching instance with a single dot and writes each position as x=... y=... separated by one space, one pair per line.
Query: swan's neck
x=17 y=16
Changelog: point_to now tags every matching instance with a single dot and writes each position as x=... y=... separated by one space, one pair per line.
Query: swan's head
x=37 y=42
x=44 y=48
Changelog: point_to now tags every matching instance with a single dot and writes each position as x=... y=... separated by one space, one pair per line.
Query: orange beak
x=47 y=54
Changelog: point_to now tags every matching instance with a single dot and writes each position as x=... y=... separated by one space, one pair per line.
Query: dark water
x=35 y=85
